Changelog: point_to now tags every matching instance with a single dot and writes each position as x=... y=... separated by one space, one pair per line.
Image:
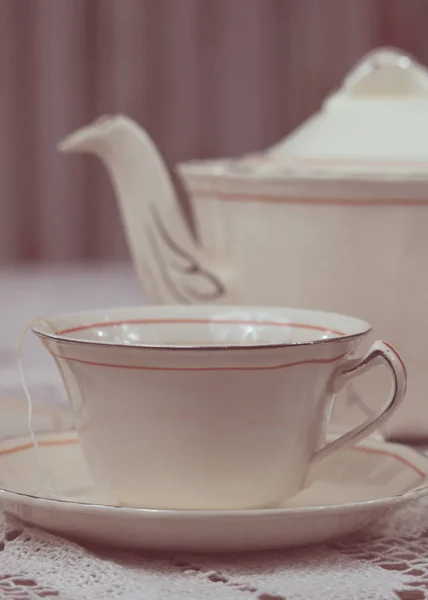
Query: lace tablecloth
x=388 y=561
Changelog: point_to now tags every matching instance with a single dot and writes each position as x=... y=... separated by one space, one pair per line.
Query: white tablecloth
x=30 y=292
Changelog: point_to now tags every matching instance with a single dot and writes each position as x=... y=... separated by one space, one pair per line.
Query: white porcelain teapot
x=334 y=217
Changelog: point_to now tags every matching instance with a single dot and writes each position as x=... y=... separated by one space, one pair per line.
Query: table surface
x=30 y=292
x=43 y=291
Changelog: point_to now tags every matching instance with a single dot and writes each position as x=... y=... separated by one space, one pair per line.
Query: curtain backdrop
x=205 y=77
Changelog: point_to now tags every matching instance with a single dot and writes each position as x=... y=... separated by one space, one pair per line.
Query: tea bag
x=27 y=394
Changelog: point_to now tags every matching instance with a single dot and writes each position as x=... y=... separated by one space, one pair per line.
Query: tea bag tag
x=27 y=394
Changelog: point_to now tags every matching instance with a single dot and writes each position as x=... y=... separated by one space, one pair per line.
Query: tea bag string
x=27 y=394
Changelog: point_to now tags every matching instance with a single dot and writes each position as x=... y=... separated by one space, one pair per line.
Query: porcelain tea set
x=203 y=418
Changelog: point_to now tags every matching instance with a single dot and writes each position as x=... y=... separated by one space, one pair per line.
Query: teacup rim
x=366 y=328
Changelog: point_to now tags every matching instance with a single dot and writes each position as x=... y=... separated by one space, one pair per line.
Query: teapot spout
x=172 y=266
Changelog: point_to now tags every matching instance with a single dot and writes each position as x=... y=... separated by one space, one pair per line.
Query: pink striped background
x=206 y=78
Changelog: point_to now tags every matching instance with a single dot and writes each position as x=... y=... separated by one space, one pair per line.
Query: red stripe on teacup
x=146 y=368
x=197 y=322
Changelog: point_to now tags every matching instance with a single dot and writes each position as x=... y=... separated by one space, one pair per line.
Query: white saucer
x=348 y=491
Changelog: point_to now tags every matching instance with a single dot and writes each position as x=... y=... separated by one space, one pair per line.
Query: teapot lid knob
x=383 y=72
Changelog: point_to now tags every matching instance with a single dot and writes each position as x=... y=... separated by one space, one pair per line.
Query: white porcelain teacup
x=196 y=407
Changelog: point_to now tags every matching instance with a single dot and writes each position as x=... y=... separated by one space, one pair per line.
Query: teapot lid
x=375 y=126
x=376 y=122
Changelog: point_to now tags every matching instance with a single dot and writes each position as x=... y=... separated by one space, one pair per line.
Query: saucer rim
x=65 y=505
x=396 y=452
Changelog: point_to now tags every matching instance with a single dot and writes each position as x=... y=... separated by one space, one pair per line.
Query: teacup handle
x=380 y=353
